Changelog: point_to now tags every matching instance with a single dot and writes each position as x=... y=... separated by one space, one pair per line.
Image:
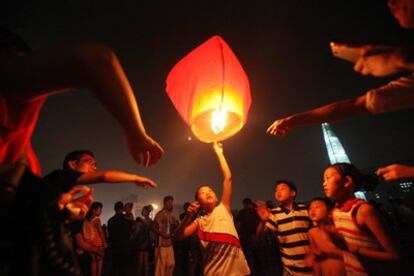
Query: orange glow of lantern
x=211 y=91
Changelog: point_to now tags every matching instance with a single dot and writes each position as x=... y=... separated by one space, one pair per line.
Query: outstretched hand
x=380 y=60
x=145 y=182
x=396 y=172
x=279 y=127
x=145 y=150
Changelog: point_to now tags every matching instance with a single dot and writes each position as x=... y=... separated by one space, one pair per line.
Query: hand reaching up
x=262 y=211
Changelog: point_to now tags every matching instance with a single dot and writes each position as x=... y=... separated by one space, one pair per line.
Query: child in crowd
x=222 y=254
x=290 y=222
x=321 y=238
x=371 y=251
x=92 y=231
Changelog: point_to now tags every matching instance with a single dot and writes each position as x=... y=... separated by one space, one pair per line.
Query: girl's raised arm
x=227 y=178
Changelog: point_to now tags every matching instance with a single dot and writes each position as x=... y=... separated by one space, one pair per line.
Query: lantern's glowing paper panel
x=209 y=85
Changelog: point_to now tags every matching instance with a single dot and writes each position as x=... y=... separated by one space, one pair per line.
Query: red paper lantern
x=211 y=91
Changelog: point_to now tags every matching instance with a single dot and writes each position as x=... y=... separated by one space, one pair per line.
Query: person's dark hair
x=128 y=204
x=363 y=182
x=329 y=203
x=119 y=205
x=186 y=205
x=95 y=205
x=270 y=204
x=74 y=156
x=290 y=184
x=147 y=208
x=247 y=201
x=168 y=197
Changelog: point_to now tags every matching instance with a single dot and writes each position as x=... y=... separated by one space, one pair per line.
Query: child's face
x=333 y=183
x=318 y=211
x=283 y=194
x=207 y=197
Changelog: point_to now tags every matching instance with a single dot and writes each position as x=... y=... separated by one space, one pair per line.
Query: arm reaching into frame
x=93 y=66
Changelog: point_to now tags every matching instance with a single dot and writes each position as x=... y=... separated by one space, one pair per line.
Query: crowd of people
x=336 y=235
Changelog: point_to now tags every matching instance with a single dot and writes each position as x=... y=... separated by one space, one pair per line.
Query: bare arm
x=263 y=214
x=85 y=245
x=113 y=177
x=328 y=113
x=384 y=60
x=310 y=256
x=92 y=66
x=98 y=225
x=369 y=217
x=186 y=227
x=396 y=172
x=227 y=178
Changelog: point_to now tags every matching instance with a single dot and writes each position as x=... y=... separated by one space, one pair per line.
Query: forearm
x=329 y=113
x=378 y=255
x=227 y=181
x=261 y=229
x=59 y=69
x=85 y=245
x=224 y=166
x=179 y=233
x=106 y=177
x=110 y=85
x=118 y=176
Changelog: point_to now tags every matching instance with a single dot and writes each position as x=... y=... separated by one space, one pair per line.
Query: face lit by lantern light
x=218 y=121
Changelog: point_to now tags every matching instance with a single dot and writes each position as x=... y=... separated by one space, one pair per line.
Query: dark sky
x=282 y=45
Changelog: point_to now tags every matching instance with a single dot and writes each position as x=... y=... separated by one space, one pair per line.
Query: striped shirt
x=346 y=225
x=291 y=228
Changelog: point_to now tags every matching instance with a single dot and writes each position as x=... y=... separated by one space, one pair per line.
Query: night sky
x=284 y=49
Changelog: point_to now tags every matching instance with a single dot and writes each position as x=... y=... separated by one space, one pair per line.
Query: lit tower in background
x=336 y=151
x=334 y=147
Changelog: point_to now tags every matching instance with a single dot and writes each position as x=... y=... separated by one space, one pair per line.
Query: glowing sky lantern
x=210 y=90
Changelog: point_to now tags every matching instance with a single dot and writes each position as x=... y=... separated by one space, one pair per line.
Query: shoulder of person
x=366 y=209
x=301 y=205
x=276 y=209
x=63 y=177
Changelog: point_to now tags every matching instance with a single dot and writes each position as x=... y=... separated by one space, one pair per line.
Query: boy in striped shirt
x=290 y=222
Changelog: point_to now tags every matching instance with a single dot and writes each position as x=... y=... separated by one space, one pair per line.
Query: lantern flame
x=218 y=121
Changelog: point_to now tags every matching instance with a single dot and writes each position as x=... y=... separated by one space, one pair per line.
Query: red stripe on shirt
x=218 y=237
